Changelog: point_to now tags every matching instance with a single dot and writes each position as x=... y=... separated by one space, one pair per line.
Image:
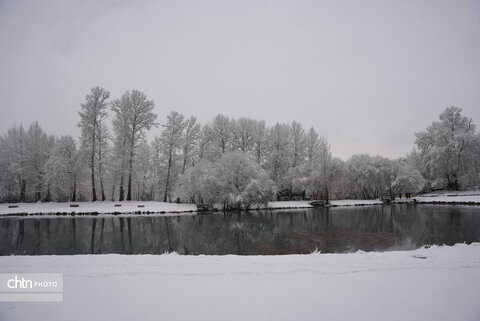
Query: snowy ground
x=298 y=204
x=150 y=207
x=99 y=207
x=463 y=197
x=439 y=283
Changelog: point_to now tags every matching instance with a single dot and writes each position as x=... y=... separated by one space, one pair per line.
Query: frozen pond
x=367 y=228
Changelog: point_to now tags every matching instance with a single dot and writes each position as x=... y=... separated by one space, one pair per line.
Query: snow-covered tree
x=199 y=184
x=93 y=112
x=133 y=116
x=408 y=180
x=172 y=142
x=365 y=177
x=158 y=168
x=236 y=181
x=258 y=191
x=445 y=148
x=472 y=179
x=144 y=173
x=190 y=141
x=260 y=135
x=103 y=150
x=243 y=131
x=13 y=164
x=204 y=142
x=297 y=143
x=23 y=155
x=221 y=134
x=61 y=169
x=278 y=152
x=120 y=124
x=39 y=145
x=239 y=175
x=312 y=145
x=317 y=175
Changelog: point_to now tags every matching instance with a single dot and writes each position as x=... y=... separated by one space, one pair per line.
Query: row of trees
x=239 y=162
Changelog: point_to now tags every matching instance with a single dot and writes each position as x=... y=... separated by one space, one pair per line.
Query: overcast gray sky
x=366 y=74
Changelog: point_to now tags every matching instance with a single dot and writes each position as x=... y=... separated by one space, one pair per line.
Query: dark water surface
x=367 y=228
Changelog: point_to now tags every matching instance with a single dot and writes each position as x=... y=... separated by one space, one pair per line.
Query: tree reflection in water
x=369 y=228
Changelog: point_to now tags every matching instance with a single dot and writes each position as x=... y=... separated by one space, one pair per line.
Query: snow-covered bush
x=257 y=192
x=236 y=181
x=238 y=176
x=199 y=184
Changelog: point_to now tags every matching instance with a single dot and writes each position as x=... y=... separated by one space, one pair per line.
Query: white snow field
x=152 y=207
x=464 y=197
x=440 y=283
x=99 y=207
x=299 y=204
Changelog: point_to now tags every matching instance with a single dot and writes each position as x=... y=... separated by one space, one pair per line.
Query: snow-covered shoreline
x=151 y=207
x=436 y=283
x=450 y=197
x=106 y=207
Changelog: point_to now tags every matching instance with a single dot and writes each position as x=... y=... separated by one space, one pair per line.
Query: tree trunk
x=121 y=196
x=185 y=157
x=38 y=192
x=112 y=194
x=130 y=169
x=92 y=176
x=102 y=189
x=167 y=183
x=129 y=187
x=92 y=166
x=48 y=196
x=94 y=192
x=74 y=190
x=23 y=186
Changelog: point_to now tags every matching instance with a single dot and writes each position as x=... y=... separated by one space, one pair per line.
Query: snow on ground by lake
x=439 y=283
x=152 y=207
x=100 y=207
x=471 y=197
x=297 y=204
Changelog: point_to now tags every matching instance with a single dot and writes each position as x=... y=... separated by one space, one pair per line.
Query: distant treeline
x=237 y=162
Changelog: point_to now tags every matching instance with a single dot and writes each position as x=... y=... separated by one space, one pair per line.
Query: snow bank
x=451 y=193
x=288 y=204
x=302 y=204
x=467 y=197
x=355 y=202
x=461 y=197
x=146 y=207
x=439 y=283
x=99 y=207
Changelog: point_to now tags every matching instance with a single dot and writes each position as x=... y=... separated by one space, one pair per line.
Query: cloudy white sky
x=365 y=74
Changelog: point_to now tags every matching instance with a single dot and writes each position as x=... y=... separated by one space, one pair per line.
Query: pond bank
x=142 y=208
x=454 y=198
x=151 y=207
